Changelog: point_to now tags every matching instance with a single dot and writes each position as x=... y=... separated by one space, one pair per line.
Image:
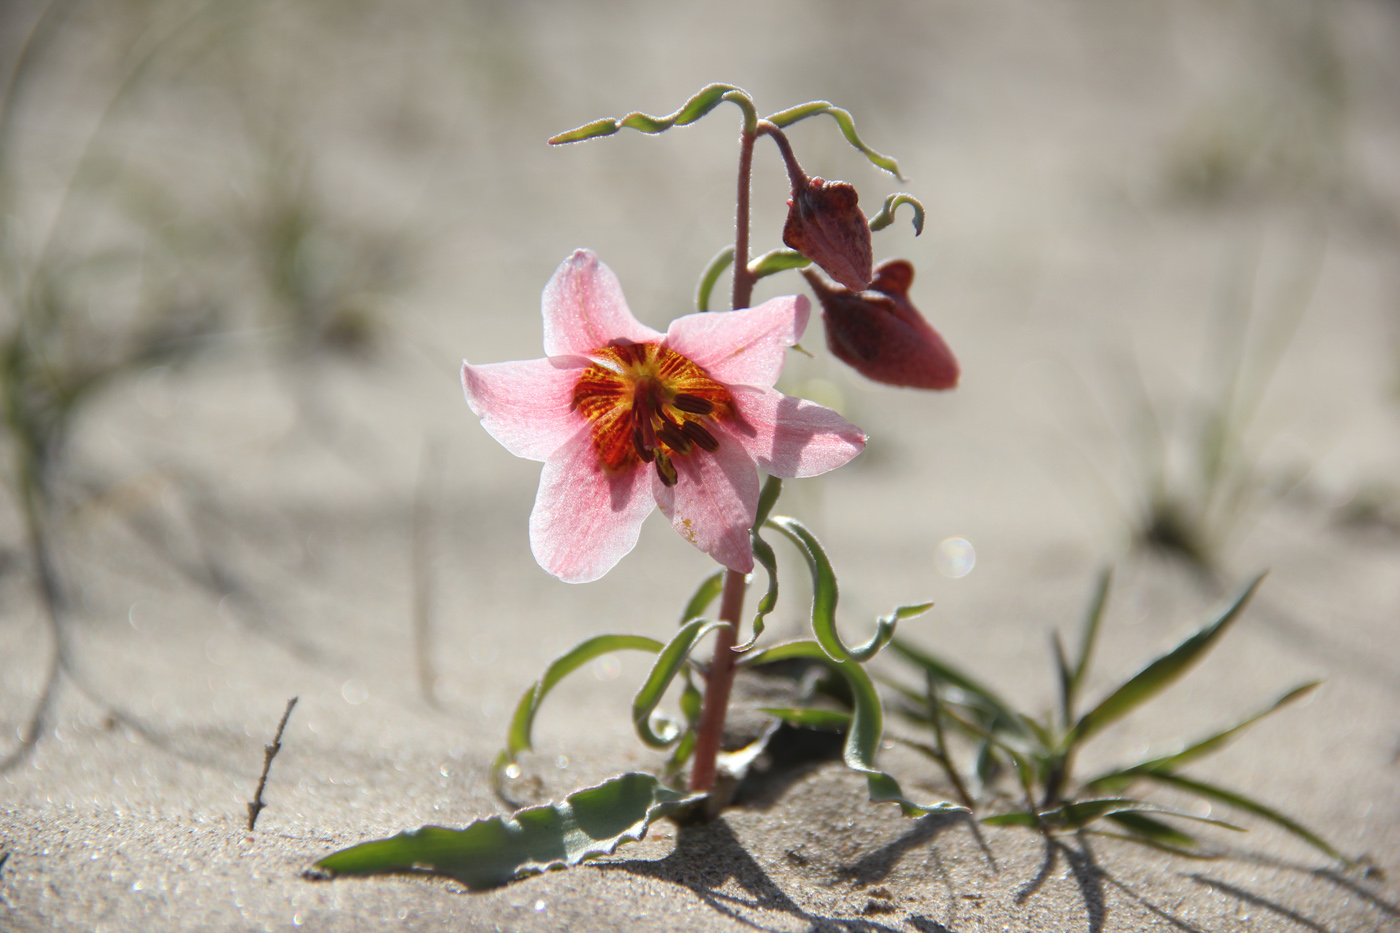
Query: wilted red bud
x=880 y=334
x=825 y=224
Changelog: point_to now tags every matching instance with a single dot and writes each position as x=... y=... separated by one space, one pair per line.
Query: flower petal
x=584 y=309
x=714 y=501
x=585 y=519
x=744 y=347
x=526 y=405
x=792 y=437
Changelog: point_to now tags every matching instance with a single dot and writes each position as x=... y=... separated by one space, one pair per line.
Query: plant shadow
x=709 y=858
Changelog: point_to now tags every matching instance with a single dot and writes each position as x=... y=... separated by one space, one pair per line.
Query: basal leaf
x=825 y=596
x=867 y=724
x=1160 y=673
x=662 y=732
x=522 y=723
x=843 y=119
x=886 y=216
x=490 y=852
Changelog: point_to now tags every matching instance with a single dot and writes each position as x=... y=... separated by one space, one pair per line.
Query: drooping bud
x=825 y=224
x=879 y=333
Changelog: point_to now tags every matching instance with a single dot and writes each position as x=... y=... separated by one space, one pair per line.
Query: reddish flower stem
x=720 y=678
x=718 y=683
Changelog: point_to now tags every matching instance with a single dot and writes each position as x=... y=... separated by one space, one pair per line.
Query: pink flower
x=627 y=419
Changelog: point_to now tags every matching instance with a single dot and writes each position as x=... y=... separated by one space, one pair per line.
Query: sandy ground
x=1113 y=191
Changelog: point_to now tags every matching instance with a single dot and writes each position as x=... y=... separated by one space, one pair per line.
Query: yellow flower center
x=648 y=404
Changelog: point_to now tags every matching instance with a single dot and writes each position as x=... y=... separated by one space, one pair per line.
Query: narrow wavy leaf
x=867 y=725
x=1160 y=673
x=886 y=216
x=767 y=498
x=656 y=730
x=825 y=595
x=1116 y=780
x=702 y=103
x=713 y=271
x=705 y=594
x=785 y=118
x=491 y=852
x=778 y=260
x=764 y=556
x=824 y=720
x=522 y=723
x=1247 y=804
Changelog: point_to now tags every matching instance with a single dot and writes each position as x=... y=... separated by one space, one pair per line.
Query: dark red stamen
x=674 y=437
x=693 y=404
x=702 y=438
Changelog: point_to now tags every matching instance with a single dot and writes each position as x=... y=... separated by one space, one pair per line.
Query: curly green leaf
x=823 y=720
x=702 y=103
x=491 y=852
x=1160 y=673
x=778 y=260
x=522 y=723
x=825 y=596
x=866 y=727
x=785 y=118
x=886 y=216
x=767 y=498
x=659 y=731
x=713 y=271
x=763 y=555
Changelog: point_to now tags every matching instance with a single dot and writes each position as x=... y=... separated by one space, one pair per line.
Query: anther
x=674 y=437
x=701 y=437
x=665 y=469
x=693 y=404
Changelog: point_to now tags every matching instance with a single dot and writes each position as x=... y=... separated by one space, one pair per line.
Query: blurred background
x=246 y=245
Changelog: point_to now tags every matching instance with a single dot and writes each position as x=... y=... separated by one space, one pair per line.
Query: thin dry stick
x=423 y=575
x=269 y=753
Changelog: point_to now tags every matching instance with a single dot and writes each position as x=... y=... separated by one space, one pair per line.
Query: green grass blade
x=1088 y=638
x=825 y=595
x=867 y=725
x=1241 y=802
x=976 y=694
x=1065 y=677
x=491 y=852
x=785 y=118
x=1153 y=830
x=1199 y=749
x=1080 y=813
x=659 y=731
x=712 y=273
x=1160 y=673
x=702 y=103
x=705 y=594
x=522 y=723
x=886 y=216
